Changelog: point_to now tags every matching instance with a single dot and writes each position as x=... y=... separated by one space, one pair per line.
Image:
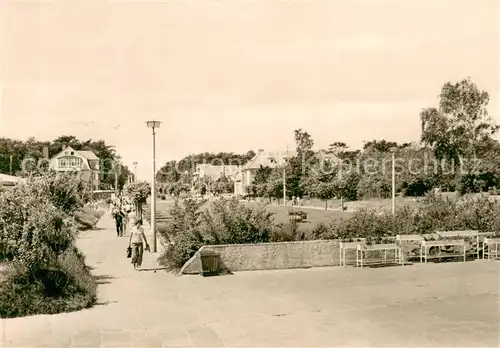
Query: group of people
x=122 y=211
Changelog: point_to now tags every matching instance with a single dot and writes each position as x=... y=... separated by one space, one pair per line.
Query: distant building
x=85 y=162
x=246 y=176
x=214 y=172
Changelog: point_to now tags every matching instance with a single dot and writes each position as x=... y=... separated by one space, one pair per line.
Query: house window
x=70 y=162
x=63 y=163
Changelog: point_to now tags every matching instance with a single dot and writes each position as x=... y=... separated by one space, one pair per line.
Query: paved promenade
x=432 y=305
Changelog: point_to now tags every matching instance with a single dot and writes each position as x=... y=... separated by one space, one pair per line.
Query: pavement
x=432 y=305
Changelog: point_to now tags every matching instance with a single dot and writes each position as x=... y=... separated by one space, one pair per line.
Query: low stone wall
x=268 y=256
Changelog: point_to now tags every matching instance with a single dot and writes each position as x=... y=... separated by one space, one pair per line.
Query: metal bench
x=427 y=245
x=362 y=250
x=462 y=234
x=491 y=248
x=343 y=249
x=400 y=239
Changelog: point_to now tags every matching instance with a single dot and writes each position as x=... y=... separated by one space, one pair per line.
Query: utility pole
x=284 y=175
x=393 y=150
x=116 y=177
x=393 y=184
x=135 y=171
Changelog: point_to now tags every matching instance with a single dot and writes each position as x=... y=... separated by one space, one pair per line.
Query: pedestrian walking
x=135 y=242
x=118 y=216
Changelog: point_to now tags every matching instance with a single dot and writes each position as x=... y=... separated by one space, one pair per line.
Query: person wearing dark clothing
x=118 y=215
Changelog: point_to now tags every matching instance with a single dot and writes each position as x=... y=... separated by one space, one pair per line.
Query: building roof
x=268 y=159
x=9 y=179
x=215 y=172
x=88 y=155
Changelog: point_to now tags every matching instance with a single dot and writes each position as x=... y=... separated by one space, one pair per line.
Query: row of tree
x=456 y=151
x=13 y=152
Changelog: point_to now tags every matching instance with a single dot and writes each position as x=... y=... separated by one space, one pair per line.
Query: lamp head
x=153 y=124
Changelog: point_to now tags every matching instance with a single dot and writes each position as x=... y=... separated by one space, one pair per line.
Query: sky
x=237 y=75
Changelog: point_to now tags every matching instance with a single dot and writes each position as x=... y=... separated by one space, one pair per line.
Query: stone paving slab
x=433 y=305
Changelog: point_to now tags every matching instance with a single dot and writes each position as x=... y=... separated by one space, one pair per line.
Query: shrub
x=65 y=286
x=417 y=187
x=469 y=183
x=183 y=248
x=33 y=230
x=36 y=236
x=288 y=232
x=222 y=222
x=438 y=213
x=374 y=186
x=87 y=218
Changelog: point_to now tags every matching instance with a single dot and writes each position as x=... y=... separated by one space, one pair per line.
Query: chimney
x=261 y=151
x=63 y=146
x=45 y=152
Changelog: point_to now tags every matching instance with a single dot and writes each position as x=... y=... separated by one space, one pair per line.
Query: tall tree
x=456 y=129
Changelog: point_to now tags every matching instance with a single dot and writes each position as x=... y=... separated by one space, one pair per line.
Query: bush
x=417 y=187
x=222 y=222
x=374 y=186
x=32 y=230
x=87 y=218
x=36 y=236
x=438 y=213
x=288 y=232
x=65 y=286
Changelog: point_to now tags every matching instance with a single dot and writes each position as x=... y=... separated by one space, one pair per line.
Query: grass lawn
x=314 y=216
x=317 y=215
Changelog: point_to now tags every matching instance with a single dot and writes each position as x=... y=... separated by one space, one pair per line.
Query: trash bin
x=209 y=263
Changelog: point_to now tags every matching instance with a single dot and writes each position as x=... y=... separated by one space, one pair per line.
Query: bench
x=401 y=239
x=362 y=250
x=343 y=249
x=427 y=245
x=490 y=248
x=462 y=234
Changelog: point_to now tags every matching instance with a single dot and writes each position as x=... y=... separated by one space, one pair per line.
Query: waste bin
x=209 y=263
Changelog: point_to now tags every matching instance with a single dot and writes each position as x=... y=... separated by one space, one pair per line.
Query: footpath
x=440 y=305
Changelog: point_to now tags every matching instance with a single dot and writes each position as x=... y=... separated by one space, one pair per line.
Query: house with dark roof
x=86 y=163
x=245 y=177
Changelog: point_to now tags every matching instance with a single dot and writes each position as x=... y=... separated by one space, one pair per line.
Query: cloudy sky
x=236 y=75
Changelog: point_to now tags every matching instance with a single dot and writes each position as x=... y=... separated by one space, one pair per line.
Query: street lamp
x=135 y=171
x=393 y=151
x=153 y=125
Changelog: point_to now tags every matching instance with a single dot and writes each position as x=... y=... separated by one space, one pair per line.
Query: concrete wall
x=267 y=256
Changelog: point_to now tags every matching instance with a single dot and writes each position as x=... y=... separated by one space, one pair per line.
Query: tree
x=380 y=145
x=138 y=192
x=223 y=185
x=169 y=173
x=457 y=128
x=274 y=186
x=262 y=175
x=324 y=191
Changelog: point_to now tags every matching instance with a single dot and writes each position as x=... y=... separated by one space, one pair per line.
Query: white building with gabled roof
x=85 y=162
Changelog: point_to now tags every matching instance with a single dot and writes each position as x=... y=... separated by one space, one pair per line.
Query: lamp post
x=153 y=125
x=135 y=171
x=285 y=157
x=393 y=208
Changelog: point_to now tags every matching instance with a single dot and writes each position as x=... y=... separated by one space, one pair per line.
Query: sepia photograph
x=249 y=173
